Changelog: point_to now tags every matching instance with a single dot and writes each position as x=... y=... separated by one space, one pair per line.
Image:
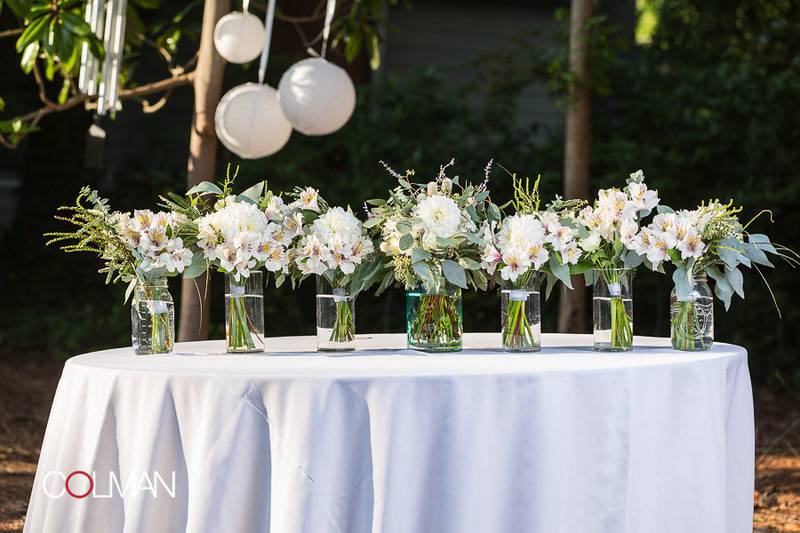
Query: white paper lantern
x=316 y=96
x=239 y=37
x=250 y=122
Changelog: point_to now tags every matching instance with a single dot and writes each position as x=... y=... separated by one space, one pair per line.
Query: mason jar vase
x=692 y=318
x=336 y=324
x=612 y=309
x=244 y=313
x=152 y=318
x=433 y=319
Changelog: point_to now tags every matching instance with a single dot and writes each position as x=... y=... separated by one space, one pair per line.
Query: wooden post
x=572 y=306
x=202 y=159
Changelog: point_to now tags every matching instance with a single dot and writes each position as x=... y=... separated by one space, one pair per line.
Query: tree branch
x=143 y=90
x=11 y=33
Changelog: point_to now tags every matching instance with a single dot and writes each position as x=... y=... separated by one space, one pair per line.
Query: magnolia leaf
x=454 y=273
x=205 y=187
x=560 y=271
x=418 y=254
x=722 y=288
x=406 y=241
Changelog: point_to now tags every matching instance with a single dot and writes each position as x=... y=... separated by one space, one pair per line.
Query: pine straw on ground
x=27 y=388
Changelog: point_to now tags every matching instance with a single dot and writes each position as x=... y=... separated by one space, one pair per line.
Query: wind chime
x=107 y=20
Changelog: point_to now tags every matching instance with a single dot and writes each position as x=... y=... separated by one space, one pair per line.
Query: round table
x=390 y=440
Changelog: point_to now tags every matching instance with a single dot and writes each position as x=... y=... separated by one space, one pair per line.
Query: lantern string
x=268 y=19
x=326 y=30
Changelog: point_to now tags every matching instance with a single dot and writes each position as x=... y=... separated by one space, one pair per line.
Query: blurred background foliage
x=704 y=99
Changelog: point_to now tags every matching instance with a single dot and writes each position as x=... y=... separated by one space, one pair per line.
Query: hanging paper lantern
x=250 y=122
x=239 y=37
x=316 y=96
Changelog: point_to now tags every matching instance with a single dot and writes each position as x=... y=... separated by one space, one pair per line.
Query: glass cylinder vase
x=692 y=319
x=612 y=309
x=520 y=314
x=152 y=318
x=244 y=313
x=336 y=323
x=433 y=319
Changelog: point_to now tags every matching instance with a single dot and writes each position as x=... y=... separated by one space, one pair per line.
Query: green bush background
x=707 y=109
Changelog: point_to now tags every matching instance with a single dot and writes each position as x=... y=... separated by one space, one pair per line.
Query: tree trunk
x=202 y=160
x=572 y=308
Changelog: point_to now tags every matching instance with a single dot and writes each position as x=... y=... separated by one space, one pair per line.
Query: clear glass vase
x=152 y=318
x=244 y=313
x=336 y=324
x=520 y=314
x=612 y=309
x=433 y=319
x=692 y=319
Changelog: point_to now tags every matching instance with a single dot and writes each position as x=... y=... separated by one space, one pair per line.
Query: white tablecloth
x=388 y=440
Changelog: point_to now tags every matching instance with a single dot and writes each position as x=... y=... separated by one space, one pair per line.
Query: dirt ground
x=28 y=388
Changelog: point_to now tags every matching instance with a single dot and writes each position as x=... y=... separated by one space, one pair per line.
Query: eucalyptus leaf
x=406 y=241
x=418 y=254
x=423 y=272
x=633 y=260
x=253 y=193
x=454 y=273
x=129 y=291
x=372 y=222
x=683 y=283
x=197 y=267
x=722 y=288
x=756 y=254
x=762 y=242
x=736 y=281
x=205 y=187
x=480 y=279
x=469 y=263
x=664 y=210
x=560 y=271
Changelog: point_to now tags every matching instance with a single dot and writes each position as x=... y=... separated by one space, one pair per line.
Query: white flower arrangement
x=608 y=230
x=153 y=240
x=707 y=240
x=429 y=232
x=333 y=245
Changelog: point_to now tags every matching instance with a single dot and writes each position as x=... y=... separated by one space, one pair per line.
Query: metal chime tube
x=87 y=78
x=114 y=41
